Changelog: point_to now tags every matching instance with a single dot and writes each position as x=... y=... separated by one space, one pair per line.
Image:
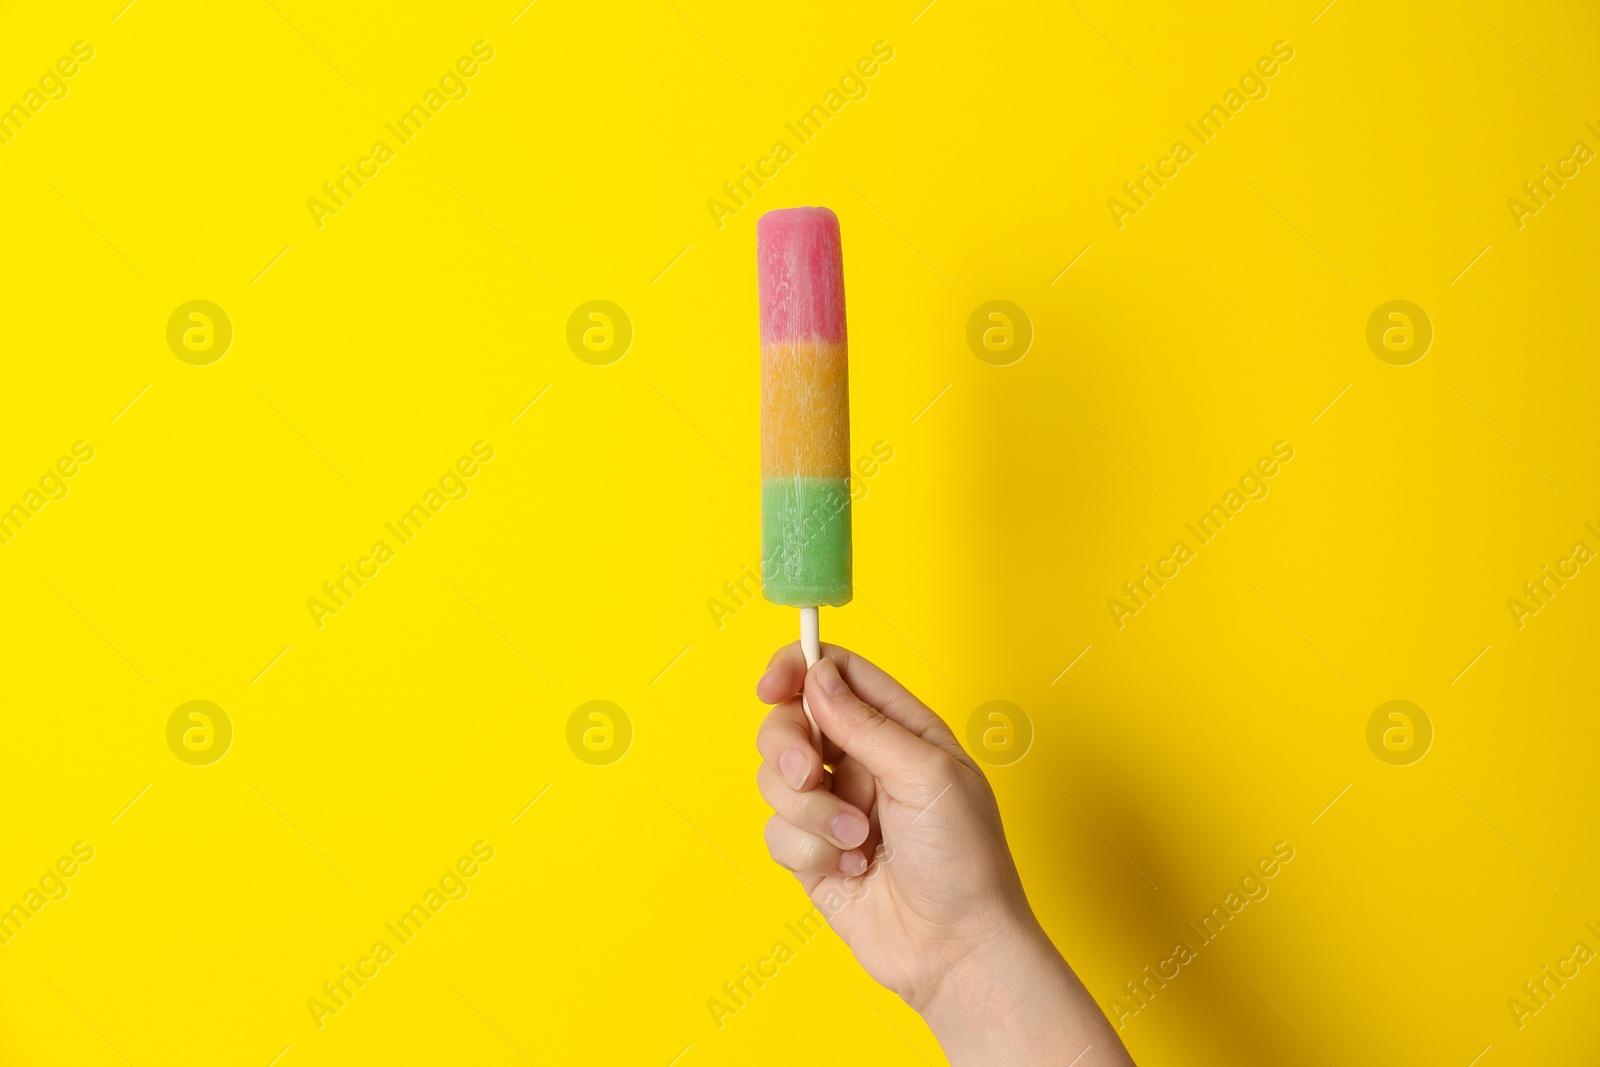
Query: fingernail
x=853 y=863
x=795 y=766
x=828 y=678
x=850 y=830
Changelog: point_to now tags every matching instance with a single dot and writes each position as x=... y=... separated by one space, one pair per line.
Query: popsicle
x=805 y=417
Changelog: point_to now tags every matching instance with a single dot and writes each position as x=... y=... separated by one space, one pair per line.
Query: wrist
x=1012 y=999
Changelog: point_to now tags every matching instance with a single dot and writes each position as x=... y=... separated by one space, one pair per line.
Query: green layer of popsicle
x=805 y=541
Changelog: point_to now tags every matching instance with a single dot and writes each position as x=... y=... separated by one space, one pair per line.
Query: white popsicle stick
x=811 y=645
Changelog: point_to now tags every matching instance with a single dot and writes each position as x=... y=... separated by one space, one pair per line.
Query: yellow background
x=1225 y=316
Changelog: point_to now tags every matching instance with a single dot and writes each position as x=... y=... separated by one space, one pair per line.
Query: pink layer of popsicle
x=801 y=275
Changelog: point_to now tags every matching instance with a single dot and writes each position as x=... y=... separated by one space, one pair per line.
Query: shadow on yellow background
x=394 y=347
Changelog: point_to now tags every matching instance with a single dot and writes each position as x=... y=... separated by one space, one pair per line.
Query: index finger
x=786 y=727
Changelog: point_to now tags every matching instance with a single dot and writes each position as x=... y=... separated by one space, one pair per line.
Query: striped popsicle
x=805 y=410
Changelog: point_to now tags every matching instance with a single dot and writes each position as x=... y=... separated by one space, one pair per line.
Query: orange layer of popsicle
x=805 y=410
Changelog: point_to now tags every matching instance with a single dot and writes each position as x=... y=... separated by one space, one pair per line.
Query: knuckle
x=816 y=854
x=865 y=715
x=770 y=786
x=772 y=730
x=811 y=808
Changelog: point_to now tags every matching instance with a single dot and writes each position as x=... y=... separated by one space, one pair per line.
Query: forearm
x=1018 y=1003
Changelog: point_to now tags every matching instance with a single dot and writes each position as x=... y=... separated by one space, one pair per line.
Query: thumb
x=885 y=748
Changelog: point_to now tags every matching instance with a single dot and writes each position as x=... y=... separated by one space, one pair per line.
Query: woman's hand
x=901 y=848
